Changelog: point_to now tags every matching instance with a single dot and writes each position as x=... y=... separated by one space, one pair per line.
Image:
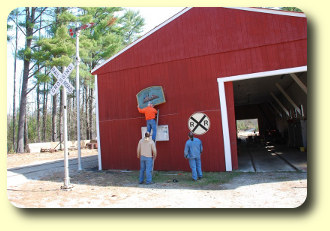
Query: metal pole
x=78 y=98
x=66 y=159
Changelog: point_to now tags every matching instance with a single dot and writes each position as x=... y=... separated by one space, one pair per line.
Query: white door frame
x=223 y=103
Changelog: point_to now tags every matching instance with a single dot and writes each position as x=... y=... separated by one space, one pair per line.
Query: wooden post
x=153 y=161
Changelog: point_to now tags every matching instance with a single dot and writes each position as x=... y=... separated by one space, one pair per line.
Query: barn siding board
x=186 y=57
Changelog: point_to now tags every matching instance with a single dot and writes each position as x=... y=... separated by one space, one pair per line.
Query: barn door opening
x=278 y=100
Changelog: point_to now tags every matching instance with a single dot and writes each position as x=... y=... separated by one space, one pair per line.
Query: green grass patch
x=185 y=179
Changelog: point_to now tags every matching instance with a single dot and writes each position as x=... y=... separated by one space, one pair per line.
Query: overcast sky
x=156 y=15
x=153 y=17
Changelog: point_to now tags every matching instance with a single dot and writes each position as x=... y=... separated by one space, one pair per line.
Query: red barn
x=197 y=56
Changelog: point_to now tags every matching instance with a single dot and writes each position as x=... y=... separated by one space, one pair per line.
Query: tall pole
x=78 y=99
x=66 y=159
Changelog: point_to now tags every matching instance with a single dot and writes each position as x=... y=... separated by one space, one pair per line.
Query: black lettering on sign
x=199 y=123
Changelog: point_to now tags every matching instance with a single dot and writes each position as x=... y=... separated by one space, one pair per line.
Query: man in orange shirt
x=150 y=115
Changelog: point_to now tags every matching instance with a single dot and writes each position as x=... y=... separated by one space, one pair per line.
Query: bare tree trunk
x=44 y=114
x=91 y=113
x=38 y=94
x=86 y=113
x=26 y=131
x=14 y=90
x=29 y=33
x=82 y=125
x=38 y=112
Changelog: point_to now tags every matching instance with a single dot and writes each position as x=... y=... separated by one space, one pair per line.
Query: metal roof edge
x=270 y=11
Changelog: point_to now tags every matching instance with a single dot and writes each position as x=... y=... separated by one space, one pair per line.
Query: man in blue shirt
x=192 y=151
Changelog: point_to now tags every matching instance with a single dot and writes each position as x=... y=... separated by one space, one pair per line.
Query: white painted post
x=78 y=99
x=225 y=126
x=66 y=159
x=98 y=125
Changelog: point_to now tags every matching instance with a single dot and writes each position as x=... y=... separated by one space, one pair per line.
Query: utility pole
x=78 y=98
x=74 y=33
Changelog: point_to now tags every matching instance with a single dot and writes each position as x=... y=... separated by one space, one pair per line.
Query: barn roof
x=257 y=10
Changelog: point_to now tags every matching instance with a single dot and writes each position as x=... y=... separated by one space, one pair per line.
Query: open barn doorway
x=279 y=104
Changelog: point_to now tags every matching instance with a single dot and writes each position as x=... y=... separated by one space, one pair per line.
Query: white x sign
x=62 y=79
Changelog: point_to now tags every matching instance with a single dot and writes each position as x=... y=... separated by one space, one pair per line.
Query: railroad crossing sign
x=199 y=123
x=62 y=79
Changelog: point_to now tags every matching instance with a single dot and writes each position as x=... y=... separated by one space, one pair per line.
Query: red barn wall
x=186 y=57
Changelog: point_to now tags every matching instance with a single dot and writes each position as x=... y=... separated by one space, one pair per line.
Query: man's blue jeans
x=146 y=166
x=152 y=124
x=196 y=167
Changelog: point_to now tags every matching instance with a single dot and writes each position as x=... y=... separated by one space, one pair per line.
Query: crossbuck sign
x=62 y=79
x=199 y=123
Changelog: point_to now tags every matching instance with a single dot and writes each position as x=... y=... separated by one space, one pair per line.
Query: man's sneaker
x=199 y=178
x=150 y=182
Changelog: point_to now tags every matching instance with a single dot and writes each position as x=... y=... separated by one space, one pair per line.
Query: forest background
x=36 y=115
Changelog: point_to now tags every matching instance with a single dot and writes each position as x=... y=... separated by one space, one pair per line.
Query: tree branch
x=32 y=67
x=43 y=10
x=42 y=28
x=17 y=25
x=35 y=71
x=31 y=89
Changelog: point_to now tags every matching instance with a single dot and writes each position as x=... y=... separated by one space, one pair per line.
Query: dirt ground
x=120 y=189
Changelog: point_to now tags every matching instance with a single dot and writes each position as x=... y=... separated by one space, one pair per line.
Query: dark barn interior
x=280 y=106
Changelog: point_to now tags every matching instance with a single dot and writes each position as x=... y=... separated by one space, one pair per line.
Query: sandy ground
x=120 y=189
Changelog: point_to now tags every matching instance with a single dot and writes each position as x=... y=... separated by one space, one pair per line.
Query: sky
x=153 y=17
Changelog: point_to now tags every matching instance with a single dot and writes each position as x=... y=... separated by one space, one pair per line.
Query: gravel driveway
x=36 y=183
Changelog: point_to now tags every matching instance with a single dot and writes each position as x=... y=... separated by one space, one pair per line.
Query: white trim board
x=267 y=11
x=223 y=103
x=270 y=11
x=98 y=125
